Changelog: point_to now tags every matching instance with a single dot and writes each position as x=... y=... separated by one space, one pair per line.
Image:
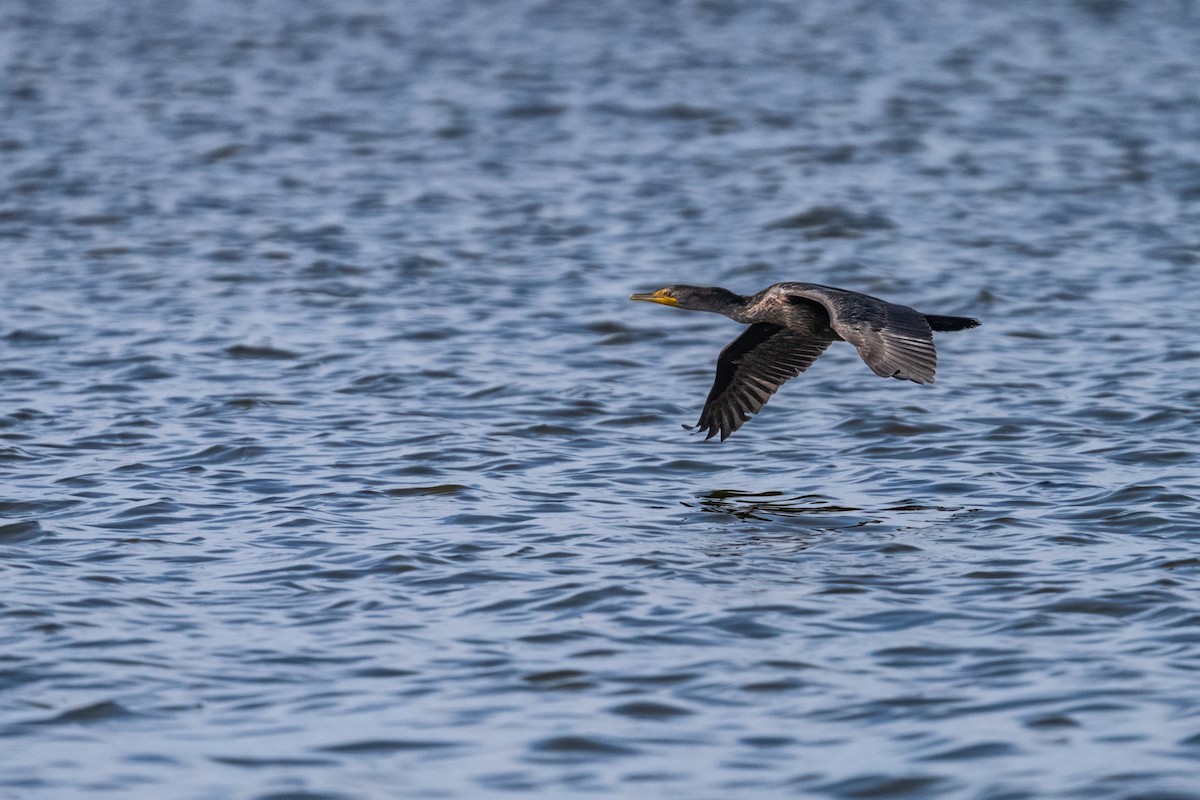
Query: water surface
x=336 y=463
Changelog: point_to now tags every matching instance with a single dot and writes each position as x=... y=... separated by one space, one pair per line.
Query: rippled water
x=336 y=463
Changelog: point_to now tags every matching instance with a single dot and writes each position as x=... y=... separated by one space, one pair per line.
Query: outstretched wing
x=751 y=368
x=895 y=341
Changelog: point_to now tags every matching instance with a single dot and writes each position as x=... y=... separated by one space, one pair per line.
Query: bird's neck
x=729 y=304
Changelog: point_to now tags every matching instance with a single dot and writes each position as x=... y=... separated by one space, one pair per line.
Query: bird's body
x=791 y=325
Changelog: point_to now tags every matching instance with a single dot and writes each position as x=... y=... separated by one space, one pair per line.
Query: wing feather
x=895 y=341
x=750 y=369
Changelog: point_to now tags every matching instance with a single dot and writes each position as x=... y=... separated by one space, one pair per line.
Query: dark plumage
x=791 y=324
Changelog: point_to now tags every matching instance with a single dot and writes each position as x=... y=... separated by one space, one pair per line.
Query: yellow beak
x=660 y=296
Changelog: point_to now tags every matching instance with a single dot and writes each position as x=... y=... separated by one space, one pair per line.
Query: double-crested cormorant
x=791 y=324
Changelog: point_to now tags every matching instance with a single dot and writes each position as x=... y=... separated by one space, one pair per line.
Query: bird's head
x=692 y=298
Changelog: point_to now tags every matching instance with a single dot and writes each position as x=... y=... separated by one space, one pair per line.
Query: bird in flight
x=791 y=324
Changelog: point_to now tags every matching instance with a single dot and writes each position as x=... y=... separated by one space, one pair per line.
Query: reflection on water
x=815 y=512
x=757 y=506
x=336 y=464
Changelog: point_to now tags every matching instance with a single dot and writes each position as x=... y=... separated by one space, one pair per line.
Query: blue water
x=335 y=463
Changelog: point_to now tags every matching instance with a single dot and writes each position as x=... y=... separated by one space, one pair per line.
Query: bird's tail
x=940 y=323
